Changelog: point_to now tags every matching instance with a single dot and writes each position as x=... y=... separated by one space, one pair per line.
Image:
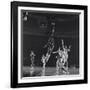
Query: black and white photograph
x=50 y=44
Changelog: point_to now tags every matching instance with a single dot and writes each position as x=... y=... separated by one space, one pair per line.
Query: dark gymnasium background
x=36 y=32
